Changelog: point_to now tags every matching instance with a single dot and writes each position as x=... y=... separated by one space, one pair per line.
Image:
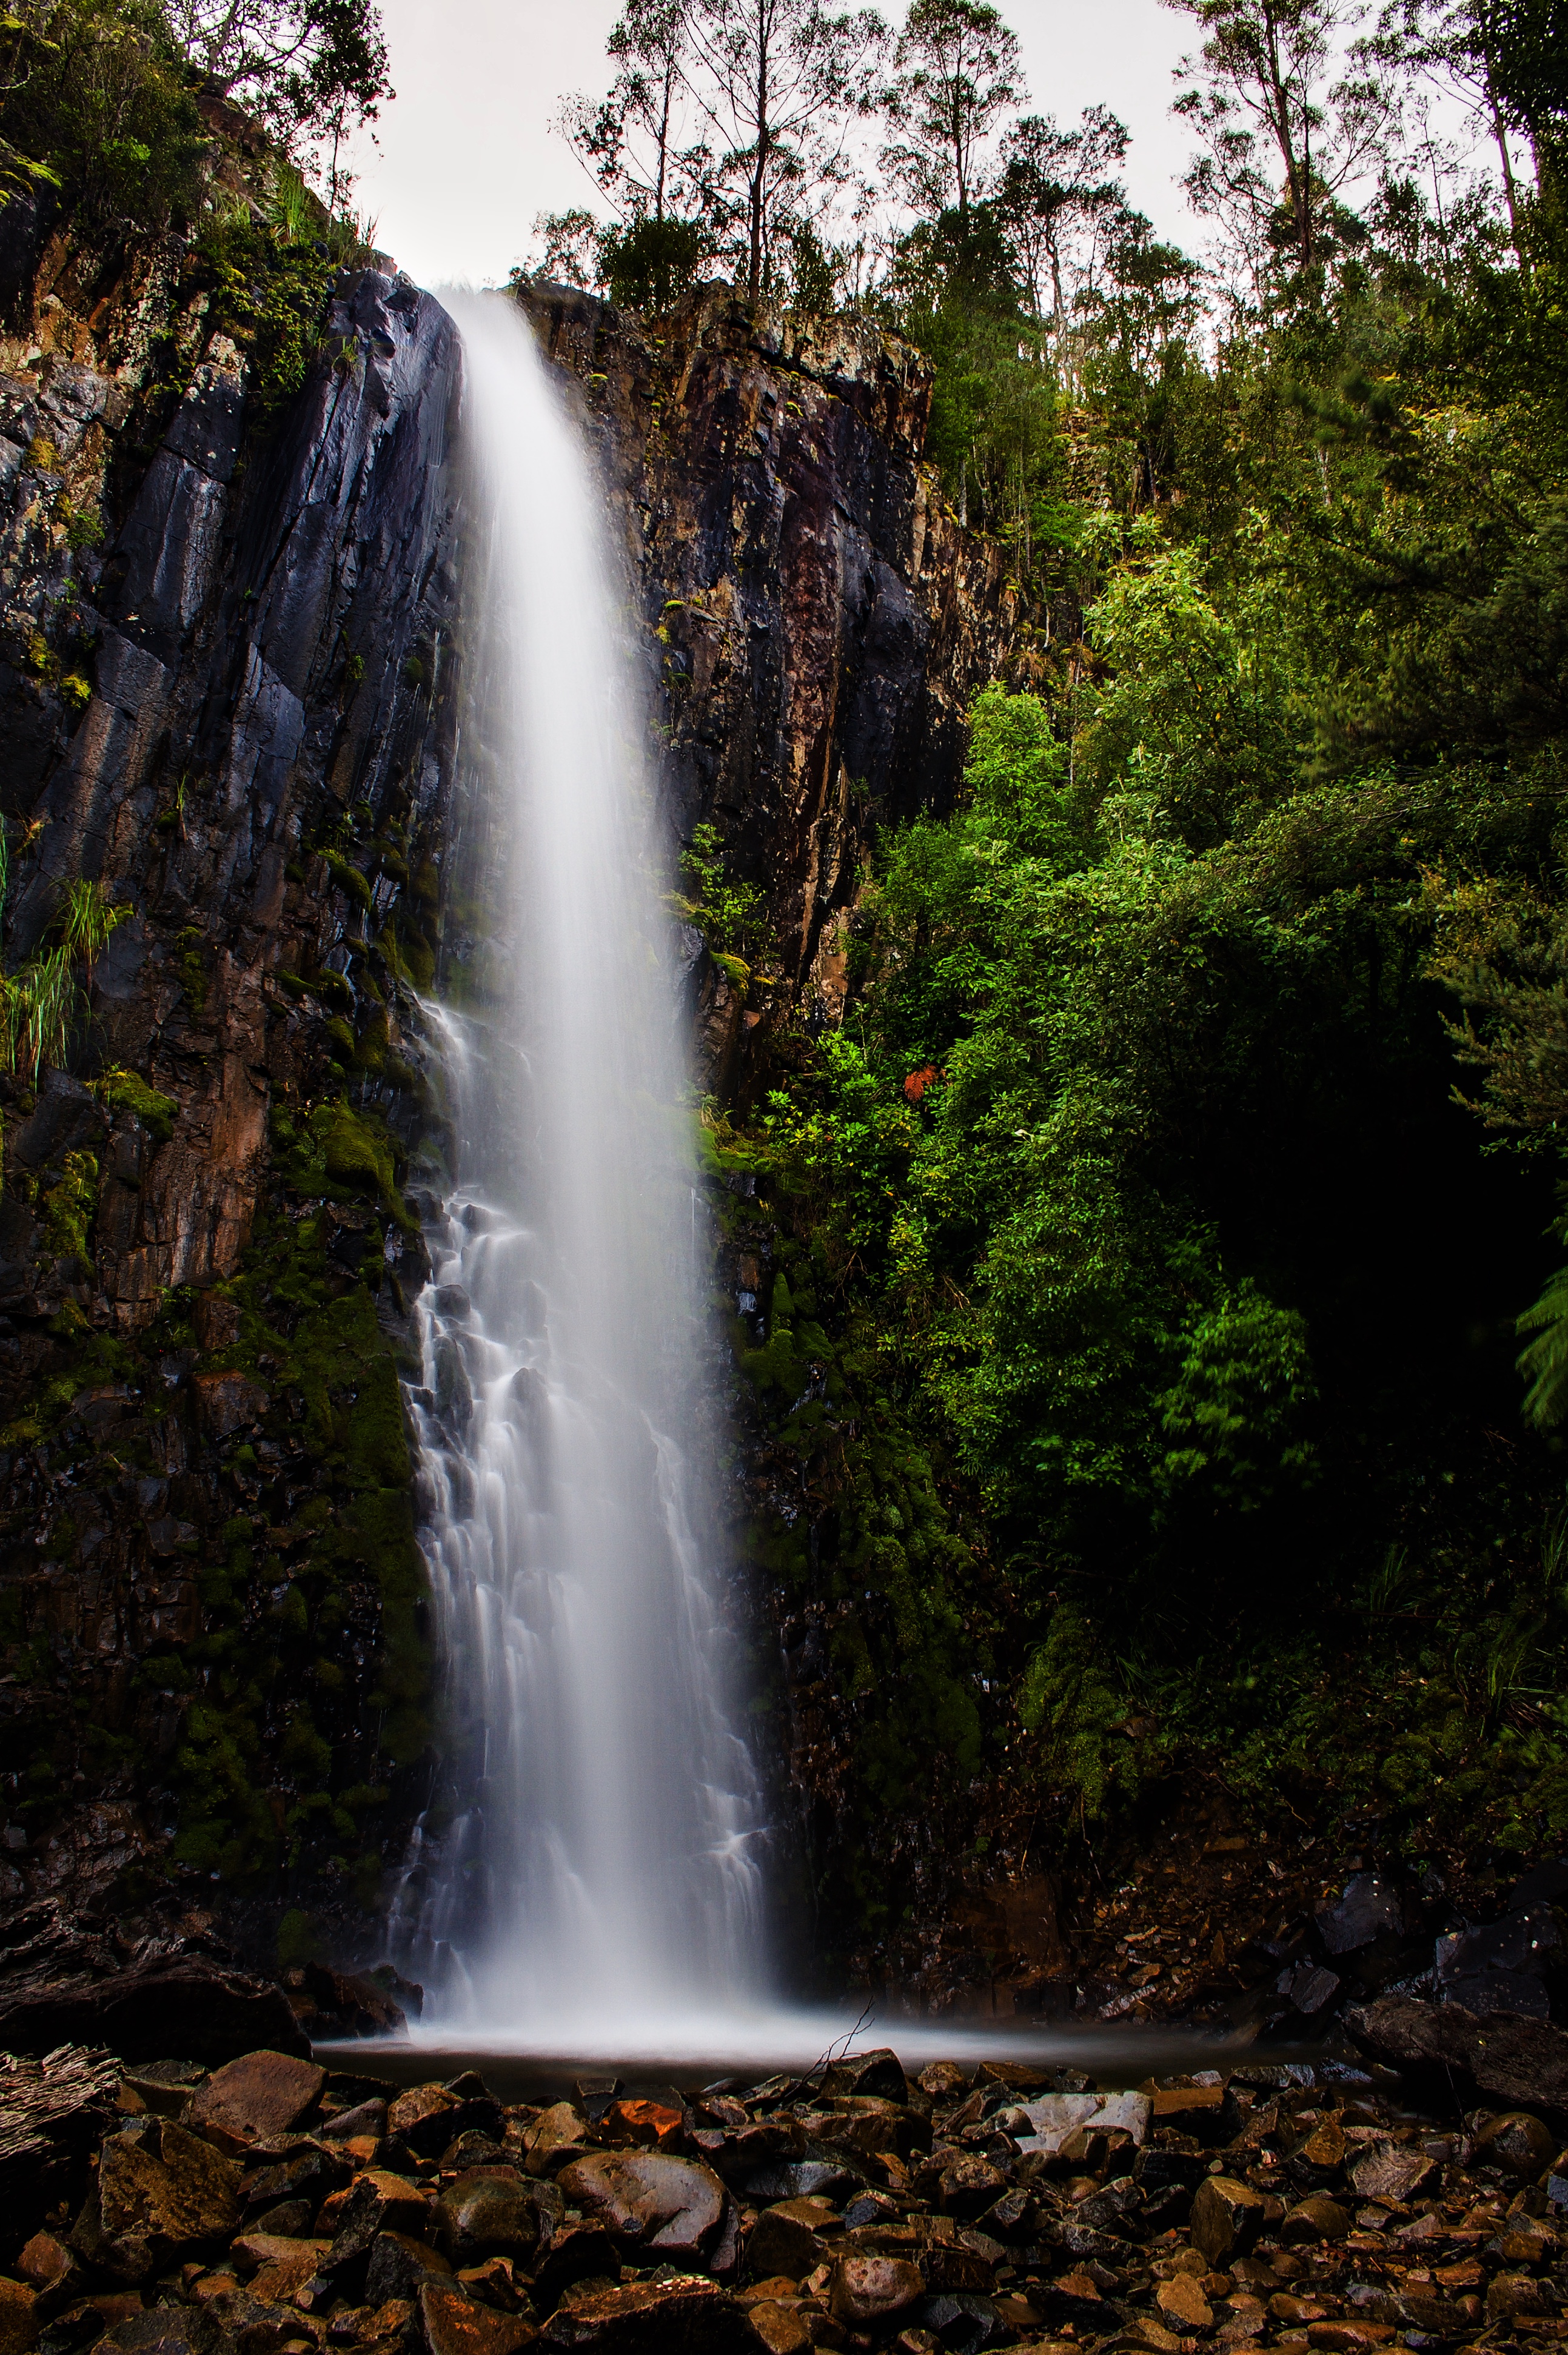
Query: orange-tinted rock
x=250 y=2100
x=282 y=2266
x=158 y=2199
x=19 y=2320
x=644 y=2123
x=44 y=2261
x=454 y=2325
x=683 y=2316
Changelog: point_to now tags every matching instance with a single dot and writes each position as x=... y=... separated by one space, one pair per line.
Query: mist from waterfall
x=590 y=1869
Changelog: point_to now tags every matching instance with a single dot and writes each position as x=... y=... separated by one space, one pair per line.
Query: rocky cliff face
x=232 y=712
x=818 y=618
x=227 y=715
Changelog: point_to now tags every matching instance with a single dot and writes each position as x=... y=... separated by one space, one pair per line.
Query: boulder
x=556 y=2137
x=379 y=2203
x=1183 y=2306
x=167 y=2330
x=1505 y=2060
x=681 y=2317
x=190 y=2005
x=19 y=2317
x=1227 y=2219
x=282 y=2266
x=870 y=2290
x=1318 y=2217
x=969 y=2184
x=399 y=2265
x=1515 y=2141
x=648 y=2199
x=1368 y=1908
x=1392 y=2171
x=161 y=2196
x=255 y=2097
x=454 y=2325
x=786 y=2239
x=879 y=2072
x=487 y=2212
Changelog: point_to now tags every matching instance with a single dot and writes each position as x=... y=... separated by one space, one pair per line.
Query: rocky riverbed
x=273 y=2206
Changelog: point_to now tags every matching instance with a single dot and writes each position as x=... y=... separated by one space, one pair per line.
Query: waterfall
x=589 y=1875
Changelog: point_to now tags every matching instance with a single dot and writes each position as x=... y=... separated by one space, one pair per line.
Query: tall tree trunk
x=754 y=275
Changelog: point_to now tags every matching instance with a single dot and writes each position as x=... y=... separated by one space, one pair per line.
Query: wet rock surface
x=1327 y=2209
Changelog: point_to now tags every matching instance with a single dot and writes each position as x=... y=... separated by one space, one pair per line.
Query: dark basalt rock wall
x=237 y=717
x=233 y=719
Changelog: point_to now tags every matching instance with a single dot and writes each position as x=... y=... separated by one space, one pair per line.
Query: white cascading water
x=596 y=1882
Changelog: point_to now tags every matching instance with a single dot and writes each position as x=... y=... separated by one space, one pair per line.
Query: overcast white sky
x=467 y=156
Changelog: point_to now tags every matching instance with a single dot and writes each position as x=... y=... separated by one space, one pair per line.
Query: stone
x=279 y=2266
x=1392 y=2171
x=397 y=2266
x=257 y=2096
x=869 y=2290
x=44 y=2261
x=1227 y=2219
x=941 y=2080
x=778 y=2327
x=1055 y=2116
x=684 y=2315
x=647 y=2124
x=786 y=2239
x=1366 y=1908
x=1511 y=2296
x=377 y=2202
x=878 y=2072
x=1183 y=2304
x=1501 y=1966
x=487 y=2212
x=411 y=2108
x=969 y=2184
x=454 y=2325
x=1517 y=2141
x=1318 y=2217
x=1146 y=2332
x=1349 y=2338
x=554 y=2138
x=1323 y=2152
x=648 y=2199
x=228 y=1402
x=19 y=2317
x=581 y=2252
x=365 y=2118
x=166 y=2330
x=158 y=2198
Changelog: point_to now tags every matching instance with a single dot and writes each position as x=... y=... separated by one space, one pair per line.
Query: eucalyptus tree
x=1508 y=65
x=779 y=85
x=1059 y=199
x=640 y=142
x=956 y=74
x=1284 y=138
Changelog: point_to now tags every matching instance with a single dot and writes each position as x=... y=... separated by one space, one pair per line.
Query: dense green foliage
x=1142 y=1211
